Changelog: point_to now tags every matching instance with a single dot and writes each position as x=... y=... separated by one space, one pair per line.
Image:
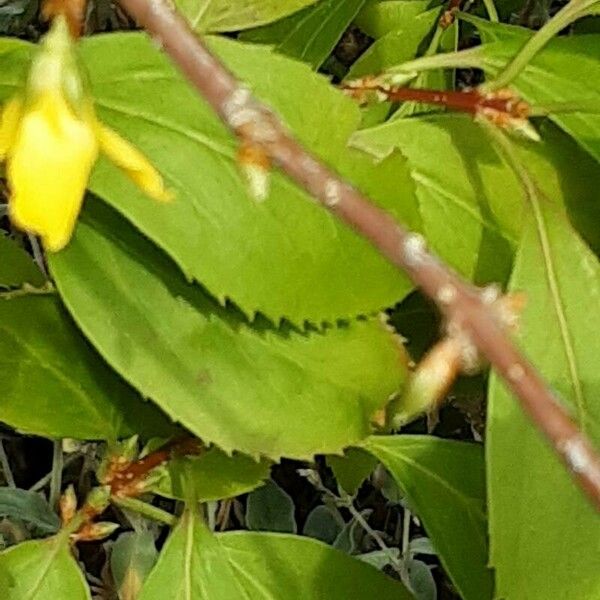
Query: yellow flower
x=50 y=138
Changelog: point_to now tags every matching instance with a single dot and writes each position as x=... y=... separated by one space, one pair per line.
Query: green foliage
x=56 y=385
x=270 y=331
x=213 y=475
x=28 y=506
x=206 y=367
x=225 y=15
x=311 y=34
x=351 y=469
x=322 y=272
x=552 y=81
x=132 y=557
x=259 y=565
x=16 y=266
x=444 y=484
x=401 y=42
x=38 y=570
x=530 y=490
x=269 y=508
x=377 y=19
x=462 y=184
x=322 y=524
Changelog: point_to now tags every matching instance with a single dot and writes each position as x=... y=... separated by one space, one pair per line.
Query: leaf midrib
x=55 y=549
x=553 y=284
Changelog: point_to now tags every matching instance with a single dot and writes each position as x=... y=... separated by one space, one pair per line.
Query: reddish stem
x=469 y=101
x=128 y=478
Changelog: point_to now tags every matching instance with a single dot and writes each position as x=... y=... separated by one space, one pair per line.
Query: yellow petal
x=9 y=122
x=48 y=168
x=133 y=162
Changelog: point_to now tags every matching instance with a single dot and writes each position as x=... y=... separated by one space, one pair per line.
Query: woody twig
x=467 y=308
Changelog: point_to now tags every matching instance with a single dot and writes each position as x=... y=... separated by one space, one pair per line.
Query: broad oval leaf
x=269 y=508
x=55 y=385
x=285 y=257
x=323 y=524
x=263 y=566
x=214 y=475
x=38 y=570
x=452 y=163
x=538 y=517
x=444 y=482
x=233 y=15
x=246 y=388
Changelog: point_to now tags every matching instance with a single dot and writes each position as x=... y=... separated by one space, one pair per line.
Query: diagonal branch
x=468 y=308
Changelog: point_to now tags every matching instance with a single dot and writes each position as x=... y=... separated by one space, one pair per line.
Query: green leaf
x=317 y=30
x=297 y=260
x=28 y=506
x=252 y=389
x=15 y=56
x=444 y=483
x=538 y=517
x=578 y=177
x=269 y=508
x=322 y=524
x=421 y=580
x=566 y=71
x=377 y=19
x=352 y=468
x=55 y=385
x=16 y=266
x=552 y=79
x=261 y=566
x=464 y=186
x=39 y=570
x=496 y=32
x=274 y=33
x=233 y=15
x=132 y=557
x=214 y=475
x=398 y=45
x=319 y=271
x=311 y=34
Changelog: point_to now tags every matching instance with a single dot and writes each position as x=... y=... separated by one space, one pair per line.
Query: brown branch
x=465 y=306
